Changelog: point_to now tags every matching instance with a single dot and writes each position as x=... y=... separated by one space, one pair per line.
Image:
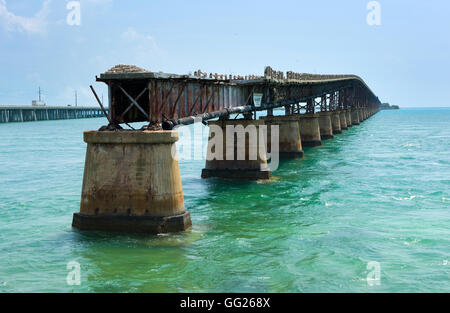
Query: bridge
x=132 y=180
x=10 y=114
x=177 y=99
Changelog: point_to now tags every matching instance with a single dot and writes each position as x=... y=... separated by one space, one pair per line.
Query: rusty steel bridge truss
x=170 y=100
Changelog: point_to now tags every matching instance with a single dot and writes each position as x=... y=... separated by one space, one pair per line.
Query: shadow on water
x=114 y=262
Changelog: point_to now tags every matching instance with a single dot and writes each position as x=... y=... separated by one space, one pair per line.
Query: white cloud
x=144 y=43
x=130 y=47
x=140 y=47
x=34 y=25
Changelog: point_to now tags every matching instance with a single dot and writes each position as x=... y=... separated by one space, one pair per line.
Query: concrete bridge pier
x=343 y=119
x=240 y=157
x=132 y=184
x=348 y=117
x=362 y=115
x=326 y=126
x=290 y=142
x=355 y=117
x=336 y=120
x=310 y=130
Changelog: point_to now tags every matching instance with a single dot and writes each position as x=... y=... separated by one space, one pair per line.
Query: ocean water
x=379 y=192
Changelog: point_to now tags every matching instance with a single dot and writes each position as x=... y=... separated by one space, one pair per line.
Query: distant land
x=387 y=106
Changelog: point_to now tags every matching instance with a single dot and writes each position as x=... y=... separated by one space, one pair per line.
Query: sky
x=405 y=60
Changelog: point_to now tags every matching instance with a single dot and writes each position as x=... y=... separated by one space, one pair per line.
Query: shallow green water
x=378 y=192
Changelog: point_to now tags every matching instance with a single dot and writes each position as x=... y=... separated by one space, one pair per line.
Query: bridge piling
x=310 y=130
x=348 y=117
x=336 y=121
x=242 y=157
x=361 y=115
x=326 y=126
x=132 y=184
x=290 y=142
x=343 y=120
x=355 y=117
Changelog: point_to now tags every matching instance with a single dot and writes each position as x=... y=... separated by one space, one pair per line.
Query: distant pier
x=18 y=114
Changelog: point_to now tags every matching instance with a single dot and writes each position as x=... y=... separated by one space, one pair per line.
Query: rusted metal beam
x=133 y=101
x=101 y=105
x=132 y=104
x=174 y=97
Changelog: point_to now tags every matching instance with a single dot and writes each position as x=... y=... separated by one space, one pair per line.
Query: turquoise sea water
x=379 y=192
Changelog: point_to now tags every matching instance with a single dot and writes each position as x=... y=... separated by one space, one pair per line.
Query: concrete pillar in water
x=290 y=142
x=348 y=116
x=132 y=184
x=361 y=115
x=310 y=130
x=343 y=119
x=244 y=157
x=326 y=126
x=355 y=117
x=336 y=121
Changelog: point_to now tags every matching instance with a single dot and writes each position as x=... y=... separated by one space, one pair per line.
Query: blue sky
x=405 y=60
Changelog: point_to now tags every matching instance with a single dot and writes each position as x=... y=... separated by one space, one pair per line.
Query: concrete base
x=290 y=143
x=348 y=118
x=336 y=121
x=132 y=183
x=237 y=174
x=343 y=119
x=310 y=130
x=133 y=224
x=355 y=117
x=243 y=164
x=361 y=115
x=326 y=137
x=291 y=154
x=326 y=127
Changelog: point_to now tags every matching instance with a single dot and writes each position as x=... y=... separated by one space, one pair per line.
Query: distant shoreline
x=387 y=106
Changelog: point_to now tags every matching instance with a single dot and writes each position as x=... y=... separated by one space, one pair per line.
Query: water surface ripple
x=378 y=192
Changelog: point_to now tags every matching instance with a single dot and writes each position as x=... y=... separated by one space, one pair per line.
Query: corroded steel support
x=170 y=100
